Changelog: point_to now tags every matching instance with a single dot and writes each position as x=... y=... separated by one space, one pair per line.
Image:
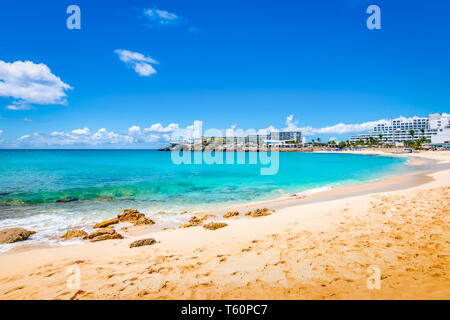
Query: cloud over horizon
x=340 y=128
x=155 y=134
x=31 y=83
x=160 y=135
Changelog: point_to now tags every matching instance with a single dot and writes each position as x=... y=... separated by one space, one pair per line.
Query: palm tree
x=381 y=139
x=372 y=141
x=411 y=133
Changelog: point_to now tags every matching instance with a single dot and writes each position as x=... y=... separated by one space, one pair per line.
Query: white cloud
x=76 y=137
x=155 y=134
x=140 y=63
x=159 y=135
x=31 y=83
x=267 y=130
x=134 y=130
x=18 y=105
x=291 y=125
x=24 y=137
x=340 y=128
x=104 y=136
x=194 y=130
x=84 y=131
x=232 y=131
x=129 y=56
x=158 y=127
x=159 y=17
x=144 y=69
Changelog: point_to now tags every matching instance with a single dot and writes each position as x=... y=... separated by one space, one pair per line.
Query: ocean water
x=52 y=191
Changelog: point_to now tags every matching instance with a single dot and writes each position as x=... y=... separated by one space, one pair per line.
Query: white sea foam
x=315 y=190
x=51 y=224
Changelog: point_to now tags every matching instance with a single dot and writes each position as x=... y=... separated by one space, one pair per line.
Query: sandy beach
x=320 y=247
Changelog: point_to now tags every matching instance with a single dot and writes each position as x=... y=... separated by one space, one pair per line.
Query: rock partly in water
x=74 y=234
x=135 y=217
x=193 y=222
x=12 y=235
x=143 y=242
x=231 y=214
x=104 y=234
x=260 y=213
x=214 y=225
x=107 y=223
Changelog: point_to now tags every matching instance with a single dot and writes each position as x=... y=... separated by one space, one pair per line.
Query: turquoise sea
x=50 y=191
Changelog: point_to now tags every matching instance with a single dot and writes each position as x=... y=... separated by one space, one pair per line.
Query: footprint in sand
x=77 y=295
x=13 y=289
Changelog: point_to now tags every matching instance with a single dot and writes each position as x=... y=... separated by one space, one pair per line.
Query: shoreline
x=217 y=209
x=407 y=179
x=229 y=263
x=389 y=182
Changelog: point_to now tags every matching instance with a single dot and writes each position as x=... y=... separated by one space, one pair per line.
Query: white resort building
x=284 y=139
x=435 y=128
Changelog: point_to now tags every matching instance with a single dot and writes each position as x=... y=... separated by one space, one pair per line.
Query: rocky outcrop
x=105 y=224
x=143 y=242
x=104 y=237
x=129 y=215
x=214 y=225
x=143 y=221
x=12 y=235
x=104 y=234
x=135 y=217
x=193 y=222
x=70 y=234
x=231 y=214
x=205 y=216
x=259 y=213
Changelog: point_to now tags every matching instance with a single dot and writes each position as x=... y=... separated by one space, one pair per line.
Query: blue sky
x=249 y=64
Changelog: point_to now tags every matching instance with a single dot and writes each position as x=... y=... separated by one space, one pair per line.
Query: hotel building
x=435 y=127
x=281 y=139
